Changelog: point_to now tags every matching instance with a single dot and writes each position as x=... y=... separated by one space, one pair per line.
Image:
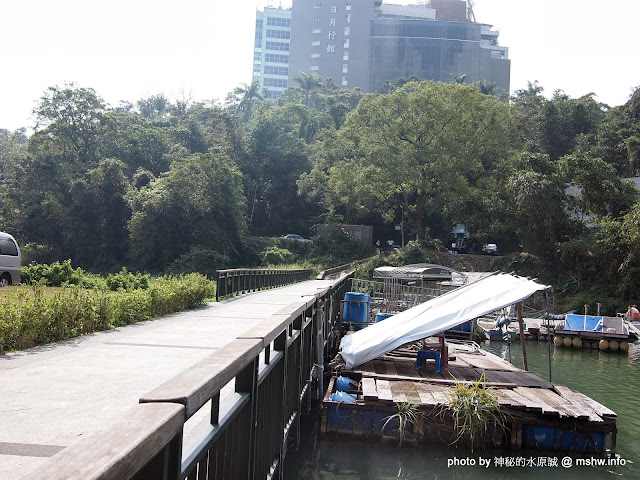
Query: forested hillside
x=168 y=185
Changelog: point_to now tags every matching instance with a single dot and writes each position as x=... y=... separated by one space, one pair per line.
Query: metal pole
x=546 y=299
x=523 y=342
x=402 y=225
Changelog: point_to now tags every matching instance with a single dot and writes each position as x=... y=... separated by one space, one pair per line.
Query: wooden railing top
x=197 y=385
x=330 y=271
x=120 y=451
x=125 y=448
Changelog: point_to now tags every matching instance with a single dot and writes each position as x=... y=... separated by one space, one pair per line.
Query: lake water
x=612 y=379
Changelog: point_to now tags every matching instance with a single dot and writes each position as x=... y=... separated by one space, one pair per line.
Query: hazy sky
x=130 y=49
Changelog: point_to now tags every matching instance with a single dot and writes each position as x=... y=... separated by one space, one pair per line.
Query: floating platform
x=595 y=332
x=538 y=414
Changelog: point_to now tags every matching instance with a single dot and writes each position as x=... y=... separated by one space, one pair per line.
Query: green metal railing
x=244 y=280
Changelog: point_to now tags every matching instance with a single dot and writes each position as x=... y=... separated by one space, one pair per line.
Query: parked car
x=490 y=249
x=293 y=236
x=10 y=260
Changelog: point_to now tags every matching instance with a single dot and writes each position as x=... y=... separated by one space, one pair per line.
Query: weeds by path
x=37 y=315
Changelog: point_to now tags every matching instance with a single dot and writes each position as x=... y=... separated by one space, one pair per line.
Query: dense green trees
x=170 y=185
x=197 y=204
x=421 y=148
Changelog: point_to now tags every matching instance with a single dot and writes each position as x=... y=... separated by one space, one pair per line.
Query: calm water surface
x=612 y=379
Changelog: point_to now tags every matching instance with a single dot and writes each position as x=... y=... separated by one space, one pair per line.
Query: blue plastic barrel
x=356 y=310
x=342 y=397
x=382 y=316
x=346 y=383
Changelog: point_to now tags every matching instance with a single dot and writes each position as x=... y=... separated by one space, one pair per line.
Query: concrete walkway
x=54 y=395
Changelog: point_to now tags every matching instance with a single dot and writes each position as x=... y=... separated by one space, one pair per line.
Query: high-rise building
x=271 y=49
x=331 y=38
x=364 y=43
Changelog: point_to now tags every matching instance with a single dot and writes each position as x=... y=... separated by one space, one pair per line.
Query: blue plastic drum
x=356 y=310
x=382 y=316
x=346 y=383
x=342 y=397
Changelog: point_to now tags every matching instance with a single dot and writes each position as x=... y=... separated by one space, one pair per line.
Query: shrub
x=408 y=416
x=35 y=319
x=201 y=260
x=338 y=248
x=126 y=280
x=277 y=256
x=365 y=270
x=413 y=252
x=54 y=275
x=301 y=250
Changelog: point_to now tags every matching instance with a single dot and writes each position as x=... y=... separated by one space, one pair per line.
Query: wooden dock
x=533 y=406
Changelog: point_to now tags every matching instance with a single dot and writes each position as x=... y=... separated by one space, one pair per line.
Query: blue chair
x=424 y=354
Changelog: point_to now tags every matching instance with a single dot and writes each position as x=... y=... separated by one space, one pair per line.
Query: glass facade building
x=435 y=50
x=366 y=43
x=271 y=50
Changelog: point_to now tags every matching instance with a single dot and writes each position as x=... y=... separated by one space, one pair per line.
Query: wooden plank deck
x=384 y=391
x=394 y=379
x=369 y=390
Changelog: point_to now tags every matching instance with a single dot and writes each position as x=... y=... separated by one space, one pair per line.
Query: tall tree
x=274 y=160
x=538 y=208
x=243 y=99
x=308 y=83
x=199 y=202
x=12 y=154
x=420 y=147
x=601 y=191
x=618 y=137
x=153 y=107
x=558 y=125
x=72 y=117
x=96 y=228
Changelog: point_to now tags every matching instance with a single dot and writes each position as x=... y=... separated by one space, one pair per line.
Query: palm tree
x=308 y=82
x=244 y=97
x=486 y=87
x=154 y=106
x=458 y=79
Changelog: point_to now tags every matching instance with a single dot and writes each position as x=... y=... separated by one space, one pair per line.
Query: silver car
x=293 y=236
x=10 y=260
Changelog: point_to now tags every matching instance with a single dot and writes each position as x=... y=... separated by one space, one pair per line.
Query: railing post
x=280 y=344
x=246 y=382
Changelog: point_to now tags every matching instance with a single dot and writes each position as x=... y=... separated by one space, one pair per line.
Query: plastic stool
x=424 y=354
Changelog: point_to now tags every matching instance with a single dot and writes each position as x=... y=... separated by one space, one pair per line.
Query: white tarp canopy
x=436 y=315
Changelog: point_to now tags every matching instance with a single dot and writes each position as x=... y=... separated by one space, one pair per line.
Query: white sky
x=131 y=49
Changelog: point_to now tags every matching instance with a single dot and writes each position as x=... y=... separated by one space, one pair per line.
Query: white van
x=10 y=260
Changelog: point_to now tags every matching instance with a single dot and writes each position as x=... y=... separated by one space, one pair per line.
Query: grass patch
x=37 y=315
x=407 y=417
x=475 y=410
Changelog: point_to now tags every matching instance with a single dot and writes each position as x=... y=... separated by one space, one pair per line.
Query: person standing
x=632 y=315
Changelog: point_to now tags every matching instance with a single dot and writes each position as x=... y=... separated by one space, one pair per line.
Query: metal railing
x=339 y=269
x=276 y=372
x=393 y=296
x=244 y=280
